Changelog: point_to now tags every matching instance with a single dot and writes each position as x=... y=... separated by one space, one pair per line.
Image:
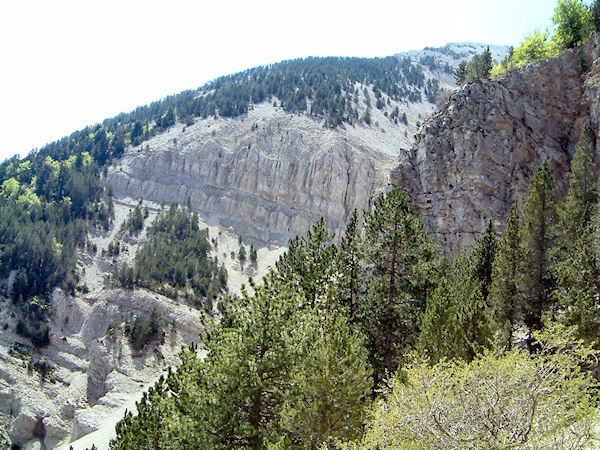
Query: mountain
x=274 y=171
x=259 y=155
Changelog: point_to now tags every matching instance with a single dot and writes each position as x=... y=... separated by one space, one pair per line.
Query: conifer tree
x=457 y=322
x=350 y=276
x=578 y=277
x=460 y=74
x=482 y=258
x=486 y=63
x=506 y=272
x=330 y=384
x=577 y=207
x=232 y=398
x=152 y=426
x=437 y=328
x=276 y=372
x=539 y=241
x=310 y=263
x=401 y=260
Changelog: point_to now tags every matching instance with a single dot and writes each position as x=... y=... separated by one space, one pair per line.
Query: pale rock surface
x=266 y=176
x=477 y=154
x=269 y=175
x=96 y=377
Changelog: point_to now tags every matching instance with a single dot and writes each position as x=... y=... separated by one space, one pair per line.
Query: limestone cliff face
x=270 y=175
x=475 y=157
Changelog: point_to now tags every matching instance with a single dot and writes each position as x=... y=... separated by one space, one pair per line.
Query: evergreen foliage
x=141 y=331
x=45 y=208
x=290 y=363
x=401 y=263
x=135 y=221
x=577 y=266
x=539 y=239
x=350 y=281
x=176 y=257
x=482 y=258
x=478 y=68
x=331 y=383
x=577 y=208
x=506 y=271
x=578 y=281
x=274 y=374
x=457 y=322
x=253 y=255
x=309 y=264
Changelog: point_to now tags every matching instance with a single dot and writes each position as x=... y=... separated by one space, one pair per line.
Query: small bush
x=142 y=331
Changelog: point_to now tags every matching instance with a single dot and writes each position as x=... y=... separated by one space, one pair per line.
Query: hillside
x=274 y=171
x=245 y=154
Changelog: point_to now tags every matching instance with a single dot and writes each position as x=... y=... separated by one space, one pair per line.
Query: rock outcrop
x=95 y=375
x=269 y=175
x=476 y=155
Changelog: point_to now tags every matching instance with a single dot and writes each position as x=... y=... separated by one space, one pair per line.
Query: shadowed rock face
x=476 y=156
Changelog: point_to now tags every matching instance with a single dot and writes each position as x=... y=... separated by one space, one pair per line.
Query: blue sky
x=68 y=64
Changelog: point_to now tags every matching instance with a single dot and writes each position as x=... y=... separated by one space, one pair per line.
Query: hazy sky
x=68 y=64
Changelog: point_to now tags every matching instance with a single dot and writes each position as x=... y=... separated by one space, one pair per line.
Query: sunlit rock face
x=269 y=175
x=475 y=156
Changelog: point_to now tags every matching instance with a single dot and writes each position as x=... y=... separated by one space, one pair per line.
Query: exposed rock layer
x=476 y=155
x=269 y=175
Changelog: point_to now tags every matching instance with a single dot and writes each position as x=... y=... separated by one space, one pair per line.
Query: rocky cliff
x=475 y=156
x=270 y=174
x=266 y=175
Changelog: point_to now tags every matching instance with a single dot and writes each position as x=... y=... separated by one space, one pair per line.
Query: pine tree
x=350 y=277
x=152 y=426
x=578 y=277
x=472 y=319
x=504 y=291
x=401 y=260
x=233 y=397
x=486 y=63
x=539 y=241
x=577 y=266
x=482 y=258
x=457 y=322
x=276 y=371
x=577 y=207
x=437 y=328
x=331 y=383
x=309 y=263
x=460 y=74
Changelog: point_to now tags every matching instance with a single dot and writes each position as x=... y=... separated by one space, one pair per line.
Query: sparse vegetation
x=141 y=331
x=135 y=221
x=175 y=258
